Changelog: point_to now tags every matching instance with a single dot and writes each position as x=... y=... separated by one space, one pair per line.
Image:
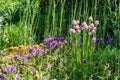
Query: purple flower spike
x=1 y=77
x=109 y=40
x=18 y=77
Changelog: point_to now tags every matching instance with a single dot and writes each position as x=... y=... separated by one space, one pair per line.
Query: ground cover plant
x=59 y=40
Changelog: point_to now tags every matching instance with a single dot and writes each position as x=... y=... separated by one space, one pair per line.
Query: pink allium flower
x=91 y=25
x=76 y=27
x=77 y=22
x=79 y=31
x=90 y=18
x=94 y=28
x=94 y=39
x=74 y=22
x=93 y=31
x=72 y=31
x=84 y=25
x=97 y=22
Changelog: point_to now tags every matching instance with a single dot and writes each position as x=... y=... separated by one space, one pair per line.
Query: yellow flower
x=12 y=54
x=36 y=46
x=41 y=44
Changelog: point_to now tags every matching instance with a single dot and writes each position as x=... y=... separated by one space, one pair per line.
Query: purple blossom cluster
x=11 y=69
x=34 y=51
x=54 y=43
x=1 y=77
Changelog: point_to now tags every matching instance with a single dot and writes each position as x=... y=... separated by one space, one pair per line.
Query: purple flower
x=99 y=40
x=39 y=51
x=10 y=70
x=55 y=39
x=43 y=78
x=109 y=40
x=53 y=44
x=17 y=57
x=1 y=77
x=32 y=51
x=18 y=77
x=27 y=56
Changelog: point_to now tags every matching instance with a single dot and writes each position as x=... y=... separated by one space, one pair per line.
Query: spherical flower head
x=77 y=22
x=19 y=77
x=91 y=25
x=72 y=31
x=84 y=23
x=76 y=27
x=79 y=31
x=94 y=28
x=93 y=31
x=90 y=18
x=74 y=22
x=1 y=77
x=97 y=22
x=85 y=26
x=94 y=39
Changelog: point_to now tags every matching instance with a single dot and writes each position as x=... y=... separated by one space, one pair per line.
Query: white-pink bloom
x=74 y=22
x=93 y=31
x=97 y=22
x=79 y=31
x=94 y=39
x=94 y=28
x=90 y=18
x=72 y=31
x=77 y=22
x=76 y=27
x=84 y=25
x=91 y=25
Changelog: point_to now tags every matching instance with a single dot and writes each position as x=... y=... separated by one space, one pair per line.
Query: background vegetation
x=28 y=22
